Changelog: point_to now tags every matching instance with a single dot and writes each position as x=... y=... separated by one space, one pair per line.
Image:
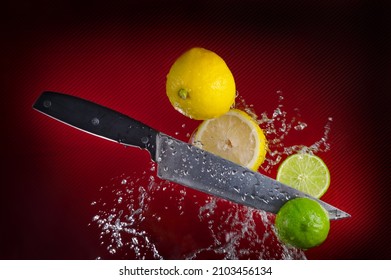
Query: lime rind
x=302 y=223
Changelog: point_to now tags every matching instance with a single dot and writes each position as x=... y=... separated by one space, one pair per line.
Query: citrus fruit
x=302 y=223
x=305 y=172
x=234 y=136
x=200 y=85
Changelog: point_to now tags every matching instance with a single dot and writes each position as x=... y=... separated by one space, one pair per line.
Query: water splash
x=140 y=216
x=277 y=125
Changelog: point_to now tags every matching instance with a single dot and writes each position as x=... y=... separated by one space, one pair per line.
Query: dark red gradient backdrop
x=329 y=58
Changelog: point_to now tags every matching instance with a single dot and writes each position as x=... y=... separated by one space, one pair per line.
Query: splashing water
x=277 y=127
x=140 y=216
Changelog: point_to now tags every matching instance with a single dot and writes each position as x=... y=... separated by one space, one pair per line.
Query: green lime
x=302 y=223
x=305 y=172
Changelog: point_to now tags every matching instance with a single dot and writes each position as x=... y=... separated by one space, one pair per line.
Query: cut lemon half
x=235 y=136
x=305 y=172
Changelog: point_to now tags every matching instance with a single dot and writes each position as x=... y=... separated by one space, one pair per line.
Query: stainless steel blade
x=198 y=169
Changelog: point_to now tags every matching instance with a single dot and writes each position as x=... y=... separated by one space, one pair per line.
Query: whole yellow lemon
x=200 y=85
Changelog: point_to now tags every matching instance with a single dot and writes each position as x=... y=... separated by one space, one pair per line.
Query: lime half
x=305 y=172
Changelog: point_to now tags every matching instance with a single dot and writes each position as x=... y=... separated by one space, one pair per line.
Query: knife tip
x=338 y=215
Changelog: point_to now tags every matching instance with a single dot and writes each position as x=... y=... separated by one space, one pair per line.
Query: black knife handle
x=97 y=119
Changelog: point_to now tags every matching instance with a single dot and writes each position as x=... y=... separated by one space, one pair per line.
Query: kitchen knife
x=177 y=161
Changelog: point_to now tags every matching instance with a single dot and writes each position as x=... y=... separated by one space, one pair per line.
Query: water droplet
x=300 y=126
x=124 y=181
x=144 y=140
x=277 y=112
x=283 y=127
x=112 y=251
x=198 y=144
x=110 y=217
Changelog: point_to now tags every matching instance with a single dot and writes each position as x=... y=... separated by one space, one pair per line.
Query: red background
x=329 y=59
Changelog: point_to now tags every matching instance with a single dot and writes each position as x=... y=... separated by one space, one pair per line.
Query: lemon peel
x=200 y=85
